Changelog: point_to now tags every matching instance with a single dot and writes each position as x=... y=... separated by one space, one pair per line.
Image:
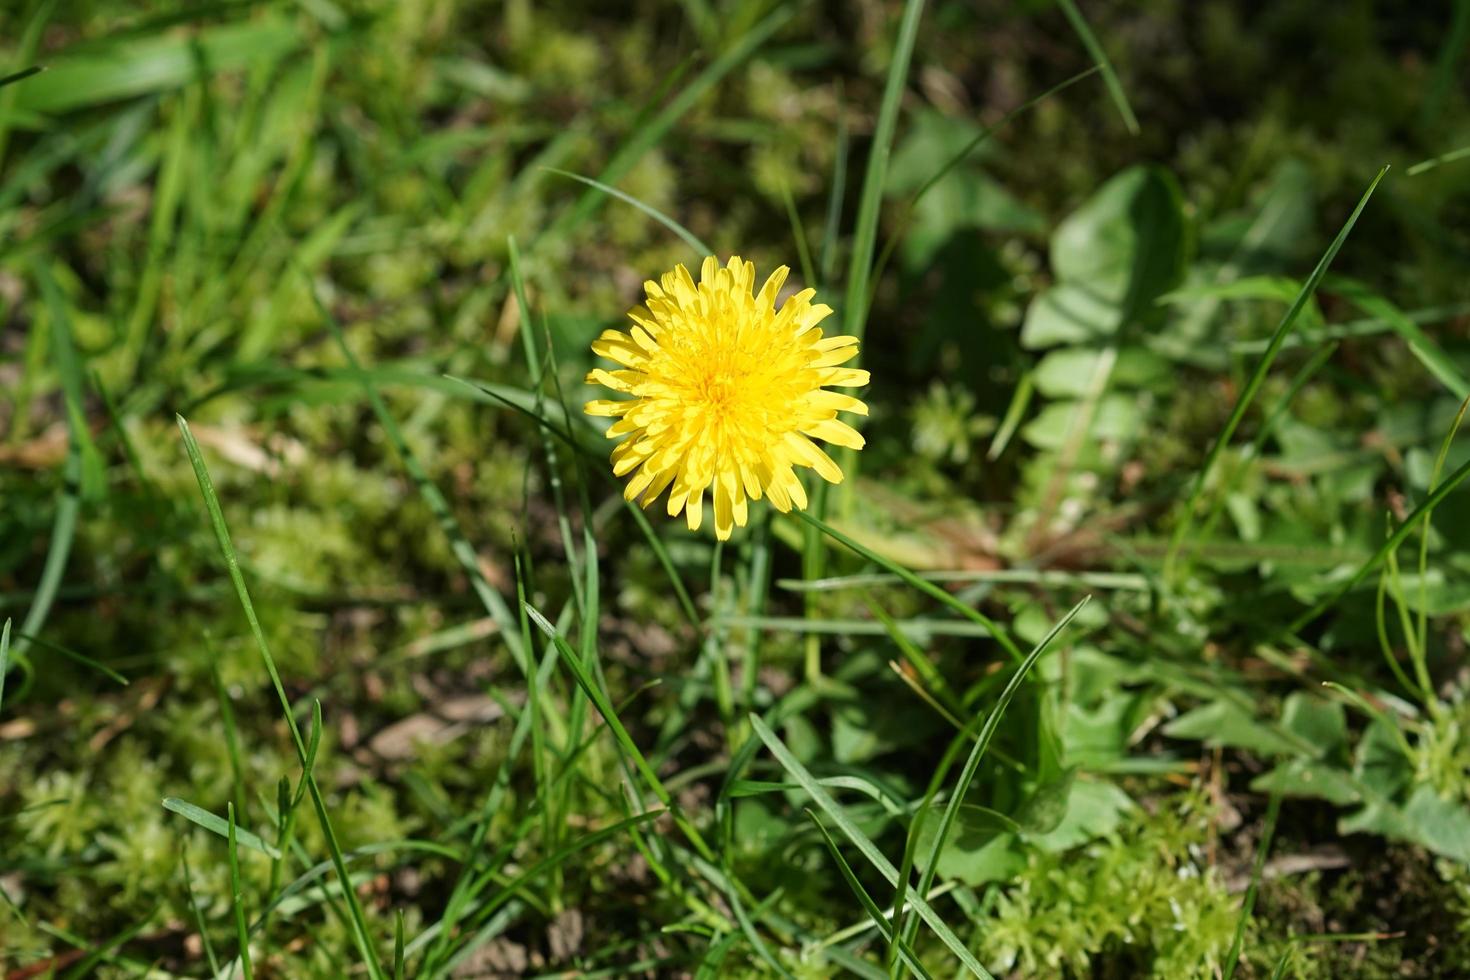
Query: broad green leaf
x=1441 y=825
x=1112 y=258
x=1309 y=779
x=1224 y=723
x=1094 y=808
x=966 y=198
x=1320 y=722
x=982 y=846
x=1118 y=418
x=930 y=136
x=1427 y=819
x=1379 y=762
x=1067 y=372
x=1068 y=313
x=1044 y=809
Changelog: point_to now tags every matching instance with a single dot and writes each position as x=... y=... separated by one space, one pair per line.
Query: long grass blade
x=594 y=693
x=1391 y=543
x=1095 y=51
x=688 y=236
x=219 y=825
x=865 y=846
x=928 y=588
x=237 y=896
x=1420 y=344
x=658 y=126
x=204 y=940
x=361 y=935
x=1424 y=166
x=880 y=921
x=1258 y=377
x=870 y=203
x=1232 y=959
x=459 y=544
x=901 y=225
x=72 y=655
x=21 y=75
x=982 y=742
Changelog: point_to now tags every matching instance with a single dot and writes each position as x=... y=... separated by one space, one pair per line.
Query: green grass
x=1150 y=590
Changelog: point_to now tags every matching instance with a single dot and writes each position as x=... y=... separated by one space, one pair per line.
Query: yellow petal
x=837 y=433
x=845 y=377
x=608 y=408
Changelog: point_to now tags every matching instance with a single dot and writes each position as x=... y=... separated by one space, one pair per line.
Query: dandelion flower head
x=728 y=393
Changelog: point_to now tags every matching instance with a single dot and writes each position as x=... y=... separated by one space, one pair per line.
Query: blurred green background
x=1077 y=281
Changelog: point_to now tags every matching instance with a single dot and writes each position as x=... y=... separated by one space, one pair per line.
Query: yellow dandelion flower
x=727 y=393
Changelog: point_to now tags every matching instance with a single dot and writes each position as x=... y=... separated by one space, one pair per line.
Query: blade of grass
x=72 y=655
x=1258 y=377
x=198 y=912
x=1366 y=327
x=218 y=825
x=919 y=629
x=1010 y=423
x=880 y=921
x=860 y=271
x=459 y=544
x=548 y=445
x=915 y=657
x=1048 y=578
x=27 y=46
x=658 y=126
x=604 y=707
x=684 y=233
x=661 y=552
x=517 y=884
x=81 y=473
x=851 y=932
x=865 y=846
x=901 y=225
x=1430 y=354
x=1258 y=443
x=909 y=577
x=758 y=587
x=870 y=201
x=166 y=195
x=362 y=937
x=1391 y=543
x=1445 y=76
x=398 y=973
x=288 y=805
x=1424 y=166
x=1434 y=475
x=105 y=953
x=743 y=917
x=17 y=76
x=827 y=262
x=4 y=657
x=237 y=897
x=232 y=731
x=798 y=235
x=1100 y=57
x=982 y=742
x=1273 y=811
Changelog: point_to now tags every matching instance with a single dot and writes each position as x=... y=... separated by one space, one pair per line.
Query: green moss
x=1145 y=897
